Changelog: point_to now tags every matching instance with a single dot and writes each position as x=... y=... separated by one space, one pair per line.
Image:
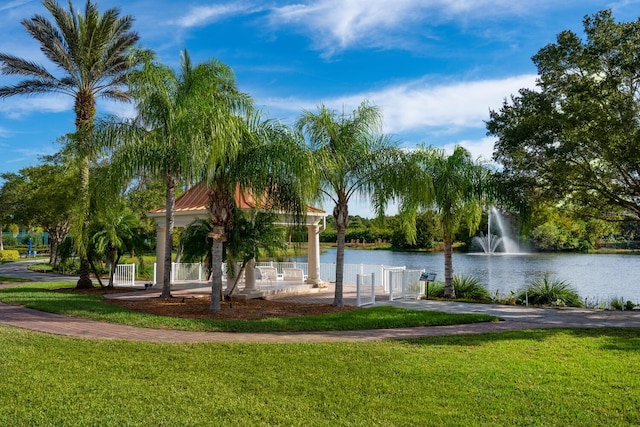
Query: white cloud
x=418 y=106
x=125 y=110
x=335 y=25
x=201 y=15
x=18 y=107
x=12 y=4
x=481 y=149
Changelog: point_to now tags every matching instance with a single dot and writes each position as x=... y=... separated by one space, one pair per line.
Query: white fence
x=365 y=289
x=125 y=275
x=405 y=284
x=182 y=272
x=196 y=272
x=280 y=266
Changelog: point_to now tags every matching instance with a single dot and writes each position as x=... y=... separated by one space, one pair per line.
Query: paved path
x=516 y=318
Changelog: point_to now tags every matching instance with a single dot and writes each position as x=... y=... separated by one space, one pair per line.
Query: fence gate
x=405 y=284
x=365 y=289
x=125 y=275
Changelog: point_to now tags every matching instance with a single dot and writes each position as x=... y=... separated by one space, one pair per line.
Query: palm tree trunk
x=221 y=205
x=449 y=291
x=341 y=215
x=85 y=112
x=216 y=267
x=170 y=204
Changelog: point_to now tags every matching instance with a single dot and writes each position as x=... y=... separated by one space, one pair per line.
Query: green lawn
x=40 y=297
x=4 y=279
x=540 y=377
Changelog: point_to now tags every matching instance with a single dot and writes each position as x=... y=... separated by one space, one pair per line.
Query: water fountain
x=496 y=243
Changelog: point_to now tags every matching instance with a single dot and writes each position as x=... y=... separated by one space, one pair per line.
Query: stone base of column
x=248 y=294
x=317 y=283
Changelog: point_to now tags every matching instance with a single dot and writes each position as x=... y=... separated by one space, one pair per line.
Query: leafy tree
x=92 y=52
x=9 y=196
x=171 y=139
x=455 y=186
x=268 y=164
x=114 y=231
x=577 y=137
x=43 y=196
x=196 y=243
x=352 y=157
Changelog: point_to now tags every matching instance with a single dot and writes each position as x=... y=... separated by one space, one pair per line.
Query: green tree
x=114 y=231
x=352 y=157
x=91 y=51
x=576 y=138
x=183 y=120
x=43 y=196
x=455 y=186
x=268 y=165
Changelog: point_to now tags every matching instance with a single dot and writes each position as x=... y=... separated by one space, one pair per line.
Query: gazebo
x=193 y=204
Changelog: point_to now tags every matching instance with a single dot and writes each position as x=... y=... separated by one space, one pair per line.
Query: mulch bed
x=198 y=308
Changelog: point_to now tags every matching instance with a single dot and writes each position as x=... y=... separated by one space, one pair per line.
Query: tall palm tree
x=91 y=51
x=352 y=157
x=179 y=128
x=455 y=186
x=269 y=164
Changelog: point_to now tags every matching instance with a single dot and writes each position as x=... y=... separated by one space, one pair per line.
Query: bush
x=616 y=303
x=436 y=290
x=469 y=288
x=9 y=255
x=9 y=241
x=548 y=291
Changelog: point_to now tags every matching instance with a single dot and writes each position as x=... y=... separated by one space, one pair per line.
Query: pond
x=598 y=277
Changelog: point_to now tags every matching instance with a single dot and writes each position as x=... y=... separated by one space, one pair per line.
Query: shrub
x=616 y=303
x=9 y=255
x=436 y=290
x=9 y=241
x=469 y=288
x=548 y=291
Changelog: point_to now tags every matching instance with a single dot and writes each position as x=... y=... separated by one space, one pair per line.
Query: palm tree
x=179 y=115
x=115 y=231
x=454 y=186
x=269 y=164
x=352 y=157
x=92 y=52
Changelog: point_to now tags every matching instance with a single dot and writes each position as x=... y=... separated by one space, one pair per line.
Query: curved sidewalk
x=515 y=318
x=83 y=328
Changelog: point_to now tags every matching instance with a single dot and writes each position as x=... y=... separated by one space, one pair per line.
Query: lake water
x=598 y=277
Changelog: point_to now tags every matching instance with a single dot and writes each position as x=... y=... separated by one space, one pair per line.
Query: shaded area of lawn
x=4 y=279
x=539 y=377
x=39 y=296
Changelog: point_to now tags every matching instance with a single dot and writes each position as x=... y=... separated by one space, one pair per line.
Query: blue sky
x=434 y=67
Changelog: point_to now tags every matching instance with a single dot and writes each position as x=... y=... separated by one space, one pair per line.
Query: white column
x=160 y=243
x=249 y=276
x=313 y=254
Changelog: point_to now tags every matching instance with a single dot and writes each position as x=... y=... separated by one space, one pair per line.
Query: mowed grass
x=40 y=296
x=4 y=279
x=537 y=377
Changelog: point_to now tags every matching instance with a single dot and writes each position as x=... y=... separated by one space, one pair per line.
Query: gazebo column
x=161 y=231
x=250 y=276
x=249 y=290
x=313 y=254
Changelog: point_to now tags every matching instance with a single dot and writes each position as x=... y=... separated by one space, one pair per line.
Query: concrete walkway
x=515 y=318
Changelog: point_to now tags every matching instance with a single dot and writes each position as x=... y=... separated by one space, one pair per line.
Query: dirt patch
x=198 y=308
